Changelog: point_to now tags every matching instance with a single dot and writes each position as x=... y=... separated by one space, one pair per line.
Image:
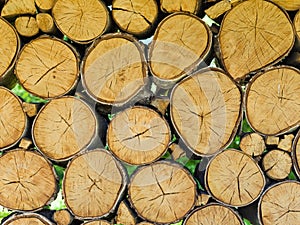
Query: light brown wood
x=114 y=82
x=44 y=5
x=234 y=178
x=27 y=219
x=81 y=20
x=154 y=191
x=205 y=110
x=45 y=23
x=94 y=191
x=181 y=42
x=47 y=67
x=218 y=9
x=176 y=151
x=136 y=17
x=286 y=143
x=202 y=199
x=97 y=222
x=251 y=37
x=13 y=121
x=13 y=8
x=171 y=6
x=296 y=23
x=62 y=217
x=252 y=144
x=64 y=127
x=273 y=100
x=124 y=215
x=26 y=26
x=272 y=140
x=138 y=135
x=213 y=214
x=30 y=109
x=10 y=46
x=161 y=104
x=27 y=180
x=25 y=143
x=296 y=154
x=277 y=164
x=145 y=223
x=280 y=204
x=290 y=5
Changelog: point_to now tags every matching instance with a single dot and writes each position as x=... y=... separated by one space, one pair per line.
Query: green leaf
x=247 y=222
x=27 y=97
x=235 y=143
x=179 y=223
x=4 y=212
x=60 y=173
x=246 y=127
x=190 y=164
x=58 y=203
x=292 y=176
x=174 y=138
x=130 y=169
x=167 y=155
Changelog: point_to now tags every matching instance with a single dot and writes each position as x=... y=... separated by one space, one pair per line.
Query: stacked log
x=123 y=130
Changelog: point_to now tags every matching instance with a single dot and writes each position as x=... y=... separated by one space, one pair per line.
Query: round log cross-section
x=97 y=222
x=254 y=34
x=114 y=69
x=47 y=67
x=181 y=41
x=280 y=204
x=27 y=219
x=9 y=45
x=290 y=5
x=233 y=178
x=136 y=17
x=27 y=180
x=13 y=120
x=81 y=20
x=213 y=214
x=273 y=100
x=205 y=110
x=138 y=135
x=296 y=154
x=252 y=144
x=171 y=6
x=64 y=127
x=27 y=26
x=93 y=184
x=154 y=191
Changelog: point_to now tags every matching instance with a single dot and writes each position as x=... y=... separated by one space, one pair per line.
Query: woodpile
x=142 y=112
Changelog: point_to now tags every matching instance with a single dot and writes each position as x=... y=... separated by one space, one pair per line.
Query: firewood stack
x=150 y=112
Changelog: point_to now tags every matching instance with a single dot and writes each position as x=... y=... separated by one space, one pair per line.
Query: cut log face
x=62 y=217
x=82 y=20
x=252 y=144
x=13 y=8
x=280 y=204
x=233 y=178
x=44 y=5
x=26 y=26
x=27 y=180
x=171 y=6
x=9 y=45
x=97 y=222
x=296 y=154
x=93 y=184
x=213 y=214
x=138 y=135
x=277 y=164
x=124 y=215
x=181 y=41
x=135 y=16
x=272 y=100
x=45 y=23
x=254 y=34
x=114 y=81
x=64 y=127
x=205 y=110
x=288 y=4
x=47 y=67
x=154 y=191
x=13 y=120
x=27 y=219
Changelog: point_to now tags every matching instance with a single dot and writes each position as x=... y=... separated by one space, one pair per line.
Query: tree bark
x=180 y=43
x=272 y=100
x=199 y=111
x=79 y=20
x=154 y=191
x=248 y=45
x=13 y=120
x=30 y=185
x=138 y=135
x=234 y=178
x=98 y=187
x=64 y=127
x=48 y=67
x=114 y=69
x=136 y=17
x=279 y=204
